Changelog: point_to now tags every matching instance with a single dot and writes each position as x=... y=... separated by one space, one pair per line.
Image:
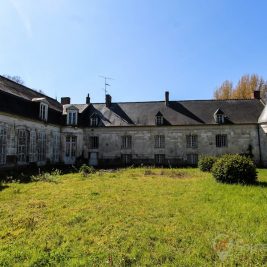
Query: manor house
x=37 y=129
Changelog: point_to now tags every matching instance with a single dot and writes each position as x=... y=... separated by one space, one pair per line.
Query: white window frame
x=72 y=117
x=219 y=118
x=43 y=112
x=3 y=144
x=41 y=146
x=126 y=142
x=33 y=150
x=71 y=146
x=192 y=141
x=22 y=145
x=159 y=120
x=159 y=141
x=94 y=121
x=56 y=146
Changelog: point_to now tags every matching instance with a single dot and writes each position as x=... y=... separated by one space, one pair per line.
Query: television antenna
x=106 y=83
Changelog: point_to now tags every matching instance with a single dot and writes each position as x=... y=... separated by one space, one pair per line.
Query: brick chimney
x=88 y=99
x=108 y=101
x=167 y=98
x=257 y=94
x=65 y=100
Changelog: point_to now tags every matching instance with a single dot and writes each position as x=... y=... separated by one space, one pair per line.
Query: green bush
x=85 y=170
x=234 y=169
x=205 y=163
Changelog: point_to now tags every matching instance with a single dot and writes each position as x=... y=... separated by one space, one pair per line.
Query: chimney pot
x=65 y=100
x=167 y=98
x=108 y=101
x=88 y=99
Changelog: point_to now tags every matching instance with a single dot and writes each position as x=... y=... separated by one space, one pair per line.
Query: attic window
x=72 y=117
x=159 y=119
x=219 y=116
x=94 y=121
x=43 y=112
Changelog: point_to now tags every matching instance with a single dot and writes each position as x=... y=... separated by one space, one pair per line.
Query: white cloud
x=23 y=17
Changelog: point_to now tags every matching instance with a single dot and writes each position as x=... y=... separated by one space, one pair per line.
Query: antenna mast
x=106 y=84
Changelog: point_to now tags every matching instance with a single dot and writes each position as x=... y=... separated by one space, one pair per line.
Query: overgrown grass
x=134 y=217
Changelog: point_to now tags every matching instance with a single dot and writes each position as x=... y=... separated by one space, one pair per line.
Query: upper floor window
x=191 y=141
x=43 y=112
x=72 y=117
x=94 y=121
x=159 y=141
x=219 y=116
x=126 y=141
x=221 y=140
x=159 y=119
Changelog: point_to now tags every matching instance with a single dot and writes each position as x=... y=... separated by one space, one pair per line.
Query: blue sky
x=147 y=46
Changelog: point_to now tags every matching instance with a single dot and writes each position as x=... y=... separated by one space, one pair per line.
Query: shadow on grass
x=260 y=184
x=2 y=187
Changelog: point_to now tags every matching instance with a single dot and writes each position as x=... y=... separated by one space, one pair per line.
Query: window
x=126 y=159
x=221 y=140
x=3 y=141
x=72 y=117
x=41 y=146
x=22 y=145
x=71 y=145
x=32 y=152
x=220 y=118
x=159 y=141
x=159 y=120
x=94 y=121
x=159 y=158
x=126 y=141
x=191 y=141
x=56 y=146
x=43 y=113
x=93 y=142
x=192 y=159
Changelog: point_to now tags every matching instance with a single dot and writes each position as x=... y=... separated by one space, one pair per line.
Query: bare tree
x=14 y=78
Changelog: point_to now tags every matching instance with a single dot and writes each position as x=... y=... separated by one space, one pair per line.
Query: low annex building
x=37 y=129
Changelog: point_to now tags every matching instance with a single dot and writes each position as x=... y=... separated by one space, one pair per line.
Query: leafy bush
x=205 y=163
x=85 y=170
x=234 y=169
x=46 y=176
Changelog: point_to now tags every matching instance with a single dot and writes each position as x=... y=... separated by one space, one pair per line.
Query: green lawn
x=134 y=217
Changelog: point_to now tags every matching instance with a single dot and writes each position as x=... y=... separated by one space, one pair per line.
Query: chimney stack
x=167 y=98
x=257 y=94
x=65 y=100
x=108 y=101
x=88 y=99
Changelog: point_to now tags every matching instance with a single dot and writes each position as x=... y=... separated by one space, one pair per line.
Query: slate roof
x=24 y=92
x=191 y=112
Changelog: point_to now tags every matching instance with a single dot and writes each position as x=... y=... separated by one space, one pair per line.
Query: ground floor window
x=221 y=140
x=32 y=151
x=22 y=145
x=126 y=159
x=41 y=146
x=56 y=146
x=93 y=142
x=159 y=159
x=3 y=141
x=71 y=145
x=192 y=159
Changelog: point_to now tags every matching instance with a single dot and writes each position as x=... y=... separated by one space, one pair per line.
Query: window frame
x=71 y=119
x=221 y=140
x=126 y=142
x=159 y=159
x=192 y=141
x=43 y=111
x=159 y=120
x=3 y=144
x=192 y=159
x=94 y=142
x=159 y=141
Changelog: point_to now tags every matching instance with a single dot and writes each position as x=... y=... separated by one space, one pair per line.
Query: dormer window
x=159 y=119
x=219 y=116
x=43 y=112
x=94 y=121
x=72 y=117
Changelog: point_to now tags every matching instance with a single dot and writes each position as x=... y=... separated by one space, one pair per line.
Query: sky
x=186 y=47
